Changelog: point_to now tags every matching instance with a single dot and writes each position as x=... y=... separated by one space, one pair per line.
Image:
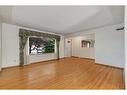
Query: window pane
x=87 y=43
x=41 y=45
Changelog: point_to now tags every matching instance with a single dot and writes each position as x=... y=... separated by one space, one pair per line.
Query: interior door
x=68 y=47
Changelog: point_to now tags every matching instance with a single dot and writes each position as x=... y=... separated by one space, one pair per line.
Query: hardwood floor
x=68 y=73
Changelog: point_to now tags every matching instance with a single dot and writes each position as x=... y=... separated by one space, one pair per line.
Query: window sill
x=41 y=54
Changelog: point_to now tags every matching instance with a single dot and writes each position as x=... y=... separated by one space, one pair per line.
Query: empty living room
x=62 y=47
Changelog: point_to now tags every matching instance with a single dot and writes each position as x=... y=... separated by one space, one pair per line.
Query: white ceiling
x=63 y=19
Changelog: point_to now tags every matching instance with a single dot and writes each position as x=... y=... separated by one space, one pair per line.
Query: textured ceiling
x=63 y=19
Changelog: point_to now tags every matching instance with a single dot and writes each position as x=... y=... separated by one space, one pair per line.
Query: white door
x=68 y=47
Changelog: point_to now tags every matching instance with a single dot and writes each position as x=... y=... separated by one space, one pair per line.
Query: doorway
x=68 y=47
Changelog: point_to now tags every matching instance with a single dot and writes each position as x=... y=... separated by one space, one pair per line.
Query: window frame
x=40 y=53
x=89 y=43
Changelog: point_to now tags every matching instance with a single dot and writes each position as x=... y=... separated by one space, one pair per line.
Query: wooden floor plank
x=68 y=73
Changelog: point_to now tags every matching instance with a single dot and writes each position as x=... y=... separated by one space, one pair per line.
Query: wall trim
x=83 y=58
x=29 y=64
x=59 y=59
x=110 y=66
x=10 y=67
x=100 y=63
x=41 y=61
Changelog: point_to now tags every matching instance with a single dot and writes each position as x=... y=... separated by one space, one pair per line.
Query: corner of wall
x=0 y=43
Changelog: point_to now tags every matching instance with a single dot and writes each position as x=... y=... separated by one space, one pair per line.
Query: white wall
x=42 y=57
x=109 y=46
x=10 y=46
x=0 y=43
x=77 y=50
x=62 y=47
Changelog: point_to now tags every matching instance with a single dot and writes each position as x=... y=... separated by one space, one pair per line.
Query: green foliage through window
x=41 y=45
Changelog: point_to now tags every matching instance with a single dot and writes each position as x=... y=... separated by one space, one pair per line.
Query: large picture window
x=41 y=45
